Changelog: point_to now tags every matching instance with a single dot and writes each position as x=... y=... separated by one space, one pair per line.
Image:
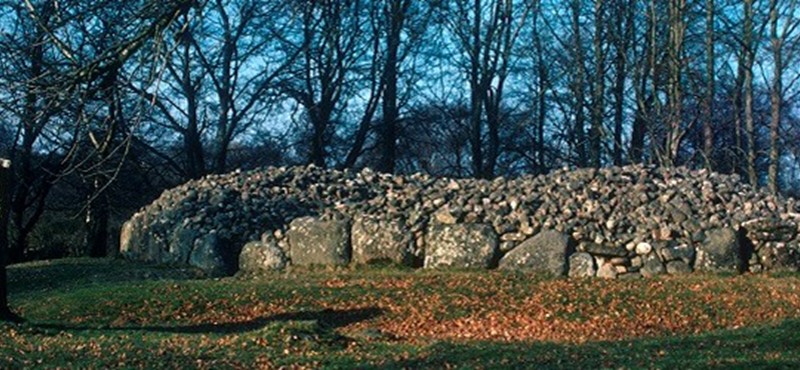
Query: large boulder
x=377 y=240
x=720 y=252
x=207 y=255
x=461 y=246
x=258 y=257
x=546 y=252
x=313 y=241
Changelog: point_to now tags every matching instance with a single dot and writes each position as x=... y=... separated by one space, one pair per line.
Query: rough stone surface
x=719 y=252
x=547 y=252
x=318 y=242
x=773 y=243
x=643 y=248
x=678 y=267
x=607 y=271
x=683 y=252
x=378 y=240
x=257 y=257
x=652 y=266
x=614 y=208
x=207 y=257
x=604 y=250
x=461 y=246
x=581 y=265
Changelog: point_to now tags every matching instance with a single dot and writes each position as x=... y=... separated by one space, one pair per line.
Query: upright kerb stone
x=461 y=246
x=377 y=240
x=313 y=241
x=547 y=252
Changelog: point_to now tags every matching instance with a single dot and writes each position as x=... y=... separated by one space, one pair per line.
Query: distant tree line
x=104 y=104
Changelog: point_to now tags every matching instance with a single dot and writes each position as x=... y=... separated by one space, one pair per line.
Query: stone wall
x=624 y=222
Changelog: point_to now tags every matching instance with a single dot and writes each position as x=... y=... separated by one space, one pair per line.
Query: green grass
x=104 y=314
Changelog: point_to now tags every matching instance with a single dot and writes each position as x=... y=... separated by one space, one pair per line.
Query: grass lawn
x=105 y=313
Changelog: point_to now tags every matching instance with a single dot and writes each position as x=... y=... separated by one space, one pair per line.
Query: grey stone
x=316 y=242
x=581 y=265
x=461 y=246
x=604 y=250
x=207 y=255
x=683 y=252
x=547 y=252
x=720 y=252
x=257 y=257
x=377 y=240
x=652 y=266
x=678 y=267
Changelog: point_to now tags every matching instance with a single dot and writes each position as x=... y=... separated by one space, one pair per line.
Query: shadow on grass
x=65 y=274
x=325 y=319
x=769 y=347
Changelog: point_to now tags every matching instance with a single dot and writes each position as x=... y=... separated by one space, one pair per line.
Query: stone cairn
x=621 y=222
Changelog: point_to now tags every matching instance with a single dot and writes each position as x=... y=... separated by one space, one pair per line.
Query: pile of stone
x=621 y=222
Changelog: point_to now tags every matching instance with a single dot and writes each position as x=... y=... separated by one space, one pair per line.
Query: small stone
x=683 y=252
x=643 y=248
x=607 y=271
x=507 y=246
x=604 y=250
x=620 y=261
x=581 y=265
x=444 y=216
x=513 y=237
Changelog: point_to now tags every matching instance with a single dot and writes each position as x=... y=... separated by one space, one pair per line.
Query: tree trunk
x=5 y=195
x=624 y=32
x=578 y=83
x=395 y=14
x=736 y=104
x=541 y=102
x=541 y=116
x=598 y=88
x=749 y=124
x=776 y=97
x=643 y=102
x=675 y=130
x=97 y=222
x=195 y=158
x=476 y=102
x=708 y=106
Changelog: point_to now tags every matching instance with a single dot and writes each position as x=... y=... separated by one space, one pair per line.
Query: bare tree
x=710 y=90
x=578 y=82
x=395 y=13
x=598 y=85
x=623 y=33
x=779 y=36
x=675 y=61
x=748 y=58
x=78 y=76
